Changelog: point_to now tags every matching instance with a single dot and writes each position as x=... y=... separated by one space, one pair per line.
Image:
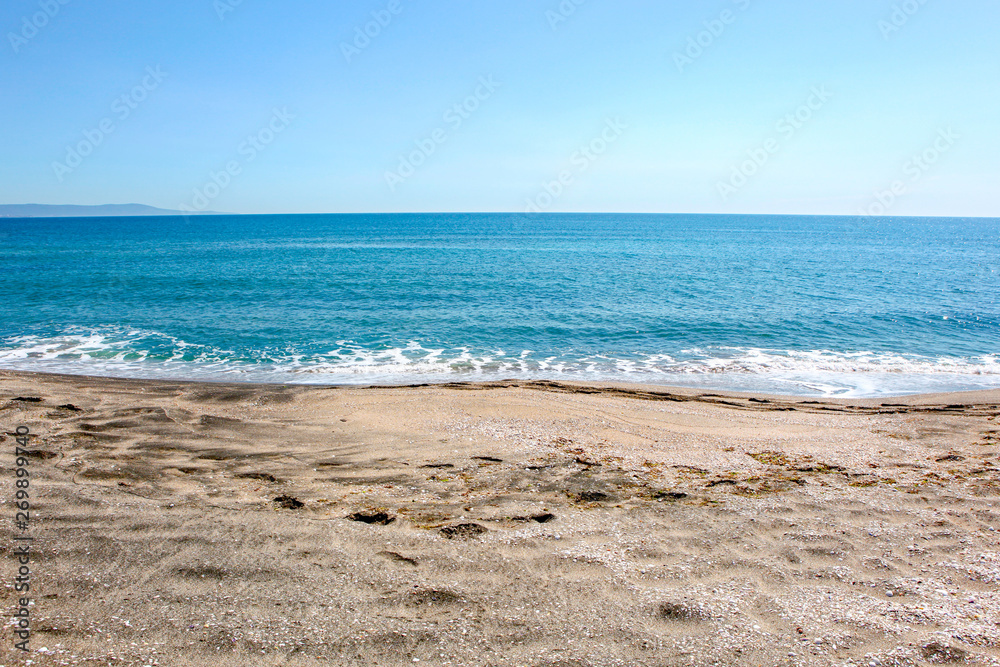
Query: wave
x=144 y=354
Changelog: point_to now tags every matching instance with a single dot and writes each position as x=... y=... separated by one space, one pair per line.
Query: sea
x=809 y=306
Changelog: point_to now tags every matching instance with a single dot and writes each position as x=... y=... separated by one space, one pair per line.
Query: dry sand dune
x=534 y=524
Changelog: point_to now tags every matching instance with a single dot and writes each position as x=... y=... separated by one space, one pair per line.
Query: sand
x=504 y=524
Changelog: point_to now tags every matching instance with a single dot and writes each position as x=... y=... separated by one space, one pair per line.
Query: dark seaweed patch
x=380 y=518
x=288 y=502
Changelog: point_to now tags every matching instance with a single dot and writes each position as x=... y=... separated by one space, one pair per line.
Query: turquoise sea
x=834 y=306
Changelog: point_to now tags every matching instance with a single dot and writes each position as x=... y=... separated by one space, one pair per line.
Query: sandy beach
x=514 y=523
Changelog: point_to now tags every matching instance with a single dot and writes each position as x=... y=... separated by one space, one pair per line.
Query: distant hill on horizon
x=78 y=211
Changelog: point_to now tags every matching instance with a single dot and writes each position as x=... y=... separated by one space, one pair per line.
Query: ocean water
x=822 y=306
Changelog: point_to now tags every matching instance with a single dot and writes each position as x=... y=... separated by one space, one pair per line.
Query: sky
x=841 y=107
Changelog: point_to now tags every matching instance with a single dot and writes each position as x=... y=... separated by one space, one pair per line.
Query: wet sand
x=515 y=523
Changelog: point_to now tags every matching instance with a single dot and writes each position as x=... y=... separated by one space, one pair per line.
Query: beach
x=503 y=523
x=560 y=334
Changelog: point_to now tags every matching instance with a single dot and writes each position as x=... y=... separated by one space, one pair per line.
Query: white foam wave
x=134 y=353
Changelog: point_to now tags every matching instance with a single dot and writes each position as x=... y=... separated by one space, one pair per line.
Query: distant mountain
x=74 y=211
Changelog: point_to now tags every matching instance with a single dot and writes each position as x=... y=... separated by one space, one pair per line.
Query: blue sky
x=785 y=106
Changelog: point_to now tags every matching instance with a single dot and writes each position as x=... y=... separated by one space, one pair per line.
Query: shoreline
x=974 y=399
x=517 y=523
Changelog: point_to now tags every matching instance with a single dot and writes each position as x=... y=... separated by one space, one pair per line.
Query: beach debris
x=437 y=465
x=668 y=495
x=822 y=468
x=432 y=597
x=261 y=476
x=676 y=611
x=592 y=496
x=543 y=517
x=27 y=399
x=804 y=463
x=463 y=531
x=770 y=458
x=488 y=459
x=42 y=454
x=693 y=469
x=380 y=518
x=950 y=457
x=289 y=502
x=942 y=654
x=70 y=407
